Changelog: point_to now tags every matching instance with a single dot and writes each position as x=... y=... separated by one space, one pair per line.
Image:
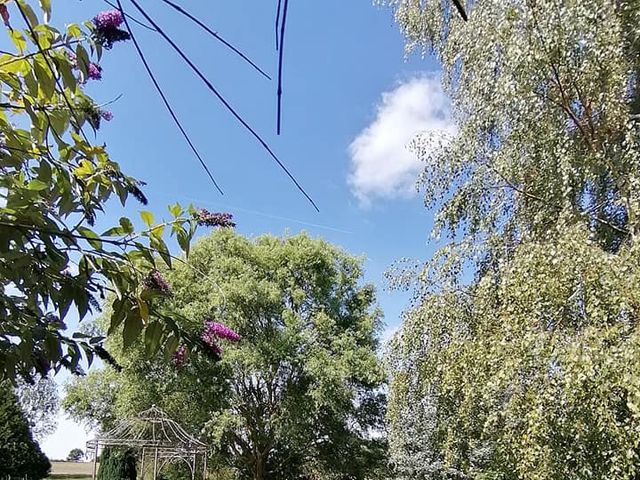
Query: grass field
x=71 y=470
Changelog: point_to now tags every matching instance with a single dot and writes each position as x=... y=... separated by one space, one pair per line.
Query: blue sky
x=351 y=103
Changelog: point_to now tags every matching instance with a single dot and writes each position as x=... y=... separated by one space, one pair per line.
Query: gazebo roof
x=151 y=429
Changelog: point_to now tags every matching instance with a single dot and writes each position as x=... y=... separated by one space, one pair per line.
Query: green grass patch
x=67 y=476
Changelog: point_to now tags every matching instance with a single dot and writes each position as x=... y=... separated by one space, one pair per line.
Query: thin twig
x=17 y=58
x=226 y=104
x=216 y=36
x=110 y=101
x=166 y=101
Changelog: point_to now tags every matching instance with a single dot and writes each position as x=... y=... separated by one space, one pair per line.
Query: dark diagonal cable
x=461 y=10
x=215 y=35
x=283 y=27
x=133 y=19
x=226 y=104
x=278 y=24
x=166 y=101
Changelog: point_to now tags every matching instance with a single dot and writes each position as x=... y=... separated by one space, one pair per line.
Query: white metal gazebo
x=158 y=439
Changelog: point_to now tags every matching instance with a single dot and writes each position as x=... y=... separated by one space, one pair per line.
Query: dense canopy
x=519 y=358
x=300 y=393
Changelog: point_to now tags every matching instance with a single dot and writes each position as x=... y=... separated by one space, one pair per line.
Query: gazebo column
x=155 y=464
x=142 y=465
x=204 y=470
x=95 y=462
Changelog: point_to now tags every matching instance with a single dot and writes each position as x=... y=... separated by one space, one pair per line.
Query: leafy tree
x=117 y=465
x=519 y=357
x=54 y=183
x=300 y=394
x=40 y=403
x=75 y=455
x=92 y=400
x=21 y=455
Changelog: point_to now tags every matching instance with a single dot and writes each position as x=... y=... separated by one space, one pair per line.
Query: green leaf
x=114 y=232
x=147 y=217
x=52 y=347
x=183 y=241
x=126 y=224
x=82 y=59
x=170 y=346
x=74 y=30
x=37 y=185
x=68 y=78
x=157 y=231
x=44 y=76
x=44 y=172
x=91 y=236
x=30 y=14
x=175 y=210
x=143 y=308
x=120 y=307
x=45 y=5
x=159 y=245
x=81 y=299
x=18 y=40
x=152 y=337
x=132 y=328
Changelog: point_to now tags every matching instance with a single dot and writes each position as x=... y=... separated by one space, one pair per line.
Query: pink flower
x=94 y=72
x=108 y=19
x=207 y=219
x=107 y=32
x=213 y=330
x=106 y=115
x=180 y=356
x=155 y=280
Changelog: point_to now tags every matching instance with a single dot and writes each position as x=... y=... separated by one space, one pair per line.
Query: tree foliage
x=299 y=395
x=117 y=464
x=40 y=403
x=21 y=455
x=75 y=455
x=54 y=184
x=519 y=358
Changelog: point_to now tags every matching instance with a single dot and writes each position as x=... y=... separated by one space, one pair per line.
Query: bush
x=117 y=465
x=20 y=454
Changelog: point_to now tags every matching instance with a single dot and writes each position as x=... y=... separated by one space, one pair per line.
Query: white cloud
x=381 y=164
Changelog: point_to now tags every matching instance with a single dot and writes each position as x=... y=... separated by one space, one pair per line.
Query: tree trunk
x=260 y=468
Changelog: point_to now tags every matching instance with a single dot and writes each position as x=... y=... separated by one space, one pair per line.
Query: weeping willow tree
x=520 y=358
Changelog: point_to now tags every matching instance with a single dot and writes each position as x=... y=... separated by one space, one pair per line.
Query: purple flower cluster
x=214 y=331
x=155 y=281
x=106 y=115
x=108 y=19
x=180 y=356
x=220 y=219
x=107 y=31
x=94 y=71
x=218 y=330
